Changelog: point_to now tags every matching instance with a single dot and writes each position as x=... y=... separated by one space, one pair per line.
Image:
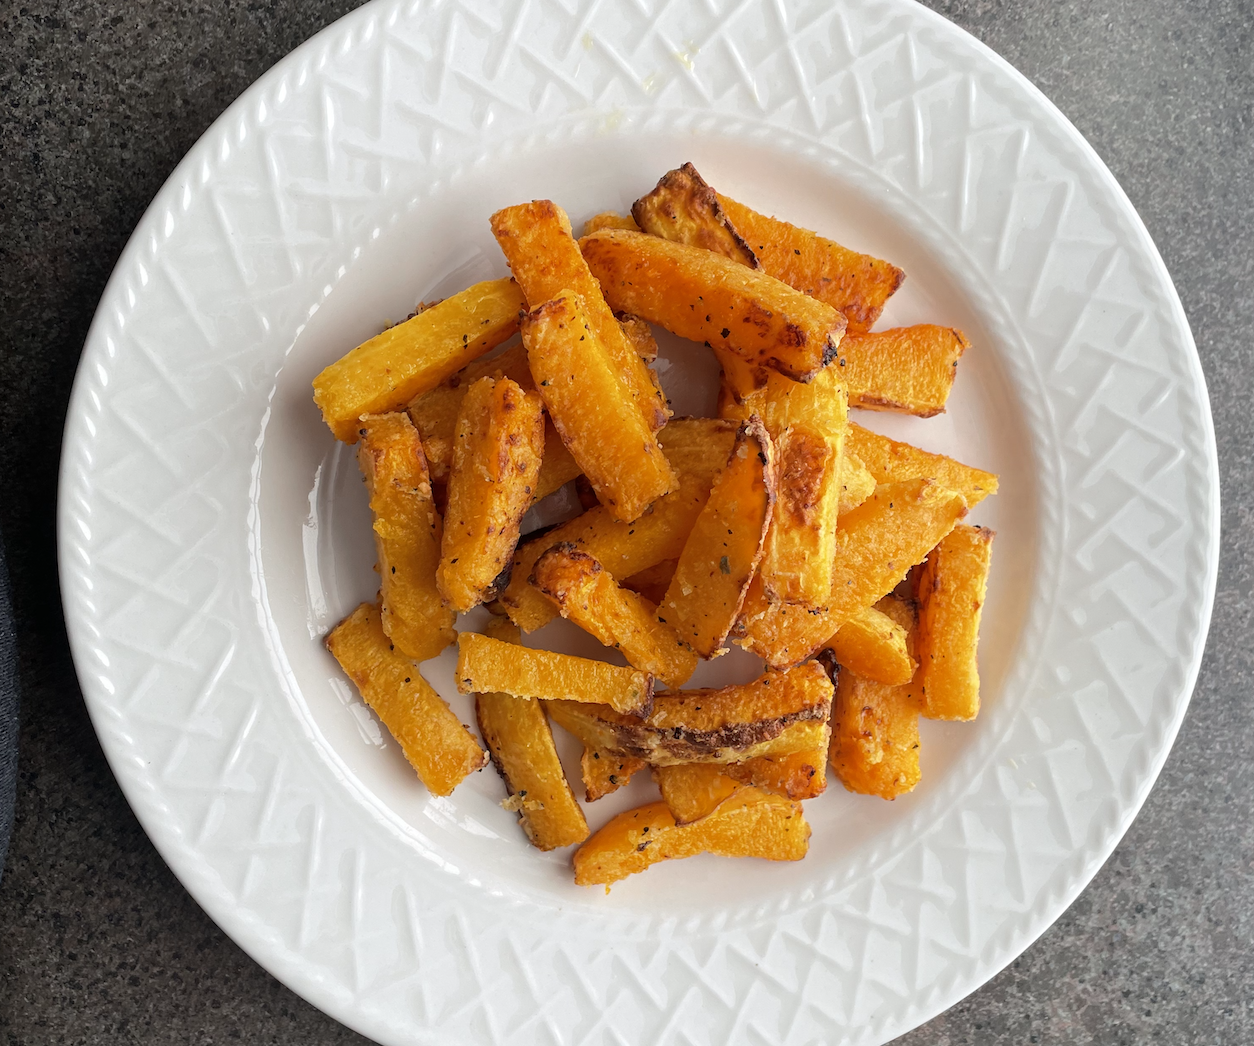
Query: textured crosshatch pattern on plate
x=168 y=610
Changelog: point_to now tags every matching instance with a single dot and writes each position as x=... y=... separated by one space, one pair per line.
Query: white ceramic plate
x=210 y=530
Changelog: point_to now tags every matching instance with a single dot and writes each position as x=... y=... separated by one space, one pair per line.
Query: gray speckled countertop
x=98 y=941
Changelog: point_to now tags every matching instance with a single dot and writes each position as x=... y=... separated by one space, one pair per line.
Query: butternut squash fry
x=547 y=264
x=780 y=712
x=856 y=482
x=875 y=736
x=807 y=424
x=798 y=775
x=684 y=209
x=587 y=595
x=872 y=645
x=692 y=791
x=651 y=582
x=605 y=771
x=622 y=548
x=386 y=372
x=610 y=220
x=407 y=531
x=705 y=297
x=951 y=592
x=601 y=426
x=486 y=664
x=906 y=370
x=521 y=744
x=723 y=550
x=876 y=544
x=890 y=461
x=436 y=744
x=857 y=285
x=496 y=462
x=749 y=823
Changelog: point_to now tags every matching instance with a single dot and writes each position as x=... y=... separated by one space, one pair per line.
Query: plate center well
x=317 y=551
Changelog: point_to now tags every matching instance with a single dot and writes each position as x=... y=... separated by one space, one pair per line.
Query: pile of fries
x=836 y=555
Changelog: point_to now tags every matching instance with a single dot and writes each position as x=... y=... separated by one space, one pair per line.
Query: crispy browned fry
x=872 y=645
x=907 y=370
x=640 y=334
x=622 y=548
x=876 y=544
x=778 y=713
x=856 y=482
x=951 y=591
x=609 y=220
x=486 y=664
x=798 y=775
x=413 y=357
x=434 y=413
x=496 y=461
x=684 y=209
x=875 y=736
x=518 y=736
x=892 y=462
x=705 y=297
x=807 y=423
x=723 y=550
x=749 y=823
x=547 y=263
x=605 y=771
x=652 y=581
x=436 y=744
x=602 y=428
x=693 y=790
x=857 y=285
x=587 y=595
x=407 y=531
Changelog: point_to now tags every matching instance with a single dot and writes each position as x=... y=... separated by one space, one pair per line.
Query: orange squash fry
x=610 y=220
x=496 y=463
x=780 y=712
x=546 y=262
x=586 y=594
x=749 y=823
x=639 y=334
x=557 y=467
x=434 y=741
x=725 y=546
x=386 y=372
x=685 y=209
x=621 y=548
x=521 y=744
x=875 y=736
x=603 y=429
x=872 y=645
x=807 y=423
x=486 y=664
x=699 y=447
x=798 y=775
x=890 y=461
x=407 y=531
x=691 y=791
x=705 y=297
x=951 y=592
x=857 y=285
x=876 y=544
x=605 y=771
x=434 y=413
x=652 y=582
x=856 y=482
x=907 y=370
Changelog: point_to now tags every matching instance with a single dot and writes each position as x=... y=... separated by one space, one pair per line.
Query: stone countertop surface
x=98 y=941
